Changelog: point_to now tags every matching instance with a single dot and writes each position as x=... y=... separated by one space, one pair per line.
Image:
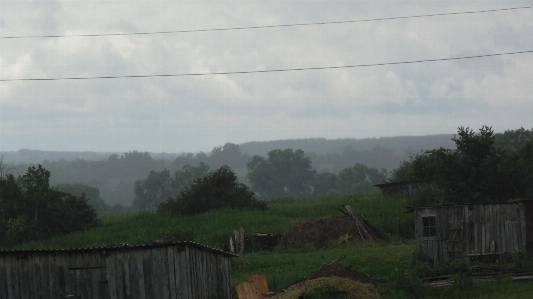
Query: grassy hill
x=214 y=228
x=284 y=266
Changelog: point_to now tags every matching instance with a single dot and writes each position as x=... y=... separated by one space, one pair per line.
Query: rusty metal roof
x=122 y=247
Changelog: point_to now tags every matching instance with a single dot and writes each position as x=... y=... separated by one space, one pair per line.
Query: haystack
x=332 y=230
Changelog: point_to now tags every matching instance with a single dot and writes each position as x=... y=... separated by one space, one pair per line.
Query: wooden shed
x=408 y=188
x=170 y=270
x=473 y=230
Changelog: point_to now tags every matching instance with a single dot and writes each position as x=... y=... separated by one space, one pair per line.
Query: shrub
x=522 y=260
x=219 y=189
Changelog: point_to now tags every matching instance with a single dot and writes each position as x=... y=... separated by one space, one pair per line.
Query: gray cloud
x=196 y=113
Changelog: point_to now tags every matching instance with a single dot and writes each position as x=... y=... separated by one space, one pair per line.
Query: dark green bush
x=522 y=260
x=217 y=190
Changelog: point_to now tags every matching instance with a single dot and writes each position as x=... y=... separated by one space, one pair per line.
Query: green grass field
x=283 y=266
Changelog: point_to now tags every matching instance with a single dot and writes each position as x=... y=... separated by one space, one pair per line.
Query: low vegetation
x=392 y=261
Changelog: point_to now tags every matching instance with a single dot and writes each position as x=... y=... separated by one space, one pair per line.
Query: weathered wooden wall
x=470 y=230
x=177 y=271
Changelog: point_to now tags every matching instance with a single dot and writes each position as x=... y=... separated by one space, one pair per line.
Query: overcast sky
x=175 y=114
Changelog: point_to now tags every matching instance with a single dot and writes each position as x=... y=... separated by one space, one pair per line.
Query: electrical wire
x=268 y=26
x=269 y=71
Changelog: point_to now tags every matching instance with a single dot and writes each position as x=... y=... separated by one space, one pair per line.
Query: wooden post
x=242 y=240
x=237 y=241
x=231 y=247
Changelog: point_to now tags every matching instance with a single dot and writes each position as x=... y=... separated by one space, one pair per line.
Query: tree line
x=282 y=173
x=485 y=167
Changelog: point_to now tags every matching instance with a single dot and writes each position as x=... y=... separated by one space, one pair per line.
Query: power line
x=268 y=26
x=269 y=71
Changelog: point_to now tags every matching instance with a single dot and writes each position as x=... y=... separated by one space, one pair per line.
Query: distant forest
x=114 y=174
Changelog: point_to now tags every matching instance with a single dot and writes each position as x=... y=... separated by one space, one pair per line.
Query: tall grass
x=214 y=228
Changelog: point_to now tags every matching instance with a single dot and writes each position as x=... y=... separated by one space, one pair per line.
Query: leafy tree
x=512 y=140
x=359 y=179
x=325 y=183
x=477 y=171
x=218 y=189
x=229 y=154
x=31 y=210
x=91 y=193
x=160 y=186
x=283 y=172
x=153 y=190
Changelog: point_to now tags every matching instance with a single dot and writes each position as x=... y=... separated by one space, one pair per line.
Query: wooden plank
x=205 y=264
x=191 y=275
x=53 y=274
x=228 y=277
x=497 y=228
x=156 y=274
x=177 y=279
x=3 y=277
x=99 y=280
x=493 y=232
x=171 y=272
x=508 y=240
x=218 y=272
x=200 y=286
x=72 y=275
x=119 y=274
x=139 y=267
x=84 y=284
x=111 y=275
x=523 y=226
x=44 y=266
x=131 y=289
x=480 y=232
x=148 y=274
x=93 y=284
x=184 y=272
x=24 y=278
x=441 y=228
x=15 y=272
x=212 y=270
x=518 y=232
x=165 y=283
x=9 y=276
x=35 y=276
x=515 y=235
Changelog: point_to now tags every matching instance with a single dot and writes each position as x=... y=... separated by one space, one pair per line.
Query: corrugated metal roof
x=121 y=247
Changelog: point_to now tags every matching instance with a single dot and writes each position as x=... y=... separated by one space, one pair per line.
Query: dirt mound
x=338 y=270
x=358 y=289
x=323 y=233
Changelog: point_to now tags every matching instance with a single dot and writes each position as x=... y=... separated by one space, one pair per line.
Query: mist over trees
x=336 y=167
x=160 y=186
